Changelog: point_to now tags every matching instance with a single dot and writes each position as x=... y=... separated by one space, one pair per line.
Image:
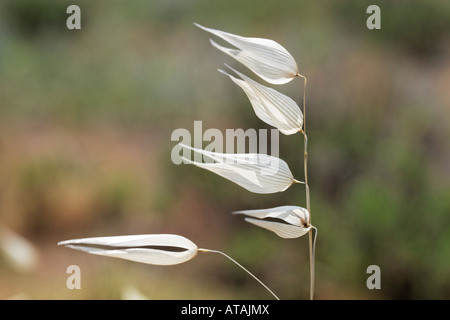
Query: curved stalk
x=313 y=259
x=220 y=252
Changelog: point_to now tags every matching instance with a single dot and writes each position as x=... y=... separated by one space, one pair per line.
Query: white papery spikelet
x=271 y=106
x=294 y=220
x=266 y=58
x=158 y=249
x=258 y=173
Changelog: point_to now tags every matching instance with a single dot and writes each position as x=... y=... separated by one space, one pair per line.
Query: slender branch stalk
x=308 y=201
x=220 y=252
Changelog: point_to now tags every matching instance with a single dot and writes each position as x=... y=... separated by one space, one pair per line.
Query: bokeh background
x=86 y=119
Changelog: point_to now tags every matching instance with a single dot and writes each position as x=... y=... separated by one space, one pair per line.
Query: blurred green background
x=86 y=118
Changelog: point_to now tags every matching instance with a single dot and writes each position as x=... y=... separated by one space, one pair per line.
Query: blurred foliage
x=86 y=119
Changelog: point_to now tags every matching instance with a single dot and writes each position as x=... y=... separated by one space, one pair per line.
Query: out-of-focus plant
x=274 y=64
x=258 y=173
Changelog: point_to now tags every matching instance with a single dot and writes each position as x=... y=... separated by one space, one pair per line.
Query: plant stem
x=308 y=201
x=220 y=252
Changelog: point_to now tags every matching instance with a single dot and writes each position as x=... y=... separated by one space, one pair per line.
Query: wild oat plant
x=258 y=173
